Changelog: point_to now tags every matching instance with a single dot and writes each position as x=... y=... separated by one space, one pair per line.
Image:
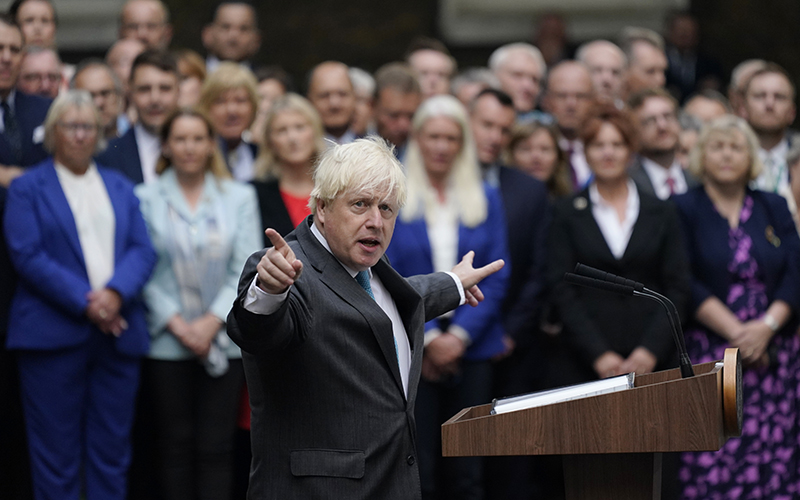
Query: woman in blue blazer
x=80 y=247
x=450 y=211
x=744 y=251
x=203 y=225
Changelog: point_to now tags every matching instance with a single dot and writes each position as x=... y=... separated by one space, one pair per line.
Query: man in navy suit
x=154 y=95
x=21 y=135
x=527 y=210
x=22 y=115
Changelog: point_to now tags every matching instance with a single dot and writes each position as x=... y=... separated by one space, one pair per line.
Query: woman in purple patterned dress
x=744 y=253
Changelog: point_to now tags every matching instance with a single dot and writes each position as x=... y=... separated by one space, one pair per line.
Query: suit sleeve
x=783 y=225
x=62 y=287
x=438 y=291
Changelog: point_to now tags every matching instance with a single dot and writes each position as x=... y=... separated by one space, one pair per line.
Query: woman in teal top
x=203 y=225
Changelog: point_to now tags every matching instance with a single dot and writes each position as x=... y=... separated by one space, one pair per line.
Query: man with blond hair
x=332 y=338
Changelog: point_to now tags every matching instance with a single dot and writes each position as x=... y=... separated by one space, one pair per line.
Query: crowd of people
x=133 y=189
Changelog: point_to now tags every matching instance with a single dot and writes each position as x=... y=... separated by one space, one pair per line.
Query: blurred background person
x=470 y=82
x=450 y=210
x=793 y=160
x=707 y=105
x=154 y=95
x=40 y=73
x=397 y=97
x=656 y=170
x=690 y=129
x=647 y=62
x=38 y=21
x=551 y=38
x=331 y=92
x=689 y=68
x=230 y=98
x=146 y=21
x=607 y=64
x=273 y=82
x=430 y=60
x=364 y=88
x=120 y=57
x=203 y=226
x=569 y=99
x=232 y=35
x=75 y=226
x=613 y=226
x=743 y=248
x=520 y=69
x=97 y=78
x=192 y=72
x=533 y=148
x=739 y=77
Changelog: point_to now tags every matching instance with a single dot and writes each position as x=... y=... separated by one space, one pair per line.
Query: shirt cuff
x=257 y=301
x=459 y=286
x=430 y=336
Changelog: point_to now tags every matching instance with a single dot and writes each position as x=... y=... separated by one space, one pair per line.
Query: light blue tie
x=362 y=277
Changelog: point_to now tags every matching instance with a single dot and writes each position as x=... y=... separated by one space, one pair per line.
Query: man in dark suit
x=154 y=95
x=21 y=115
x=656 y=170
x=332 y=339
x=526 y=207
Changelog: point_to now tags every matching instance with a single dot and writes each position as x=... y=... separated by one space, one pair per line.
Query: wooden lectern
x=612 y=443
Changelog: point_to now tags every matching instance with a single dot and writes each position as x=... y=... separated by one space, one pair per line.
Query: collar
x=321 y=238
x=597 y=199
x=11 y=99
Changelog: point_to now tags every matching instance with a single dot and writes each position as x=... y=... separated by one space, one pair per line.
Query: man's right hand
x=278 y=269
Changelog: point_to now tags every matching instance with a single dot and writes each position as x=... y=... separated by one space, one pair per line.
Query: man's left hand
x=470 y=277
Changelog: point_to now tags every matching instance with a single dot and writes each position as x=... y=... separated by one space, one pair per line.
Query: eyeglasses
x=74 y=128
x=38 y=77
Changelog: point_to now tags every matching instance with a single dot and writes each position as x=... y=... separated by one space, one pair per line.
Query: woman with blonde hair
x=449 y=210
x=204 y=226
x=230 y=98
x=743 y=249
x=534 y=150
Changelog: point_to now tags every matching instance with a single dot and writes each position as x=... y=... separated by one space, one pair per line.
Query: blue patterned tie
x=362 y=278
x=11 y=131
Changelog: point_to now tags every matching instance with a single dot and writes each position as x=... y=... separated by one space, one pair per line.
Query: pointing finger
x=278 y=243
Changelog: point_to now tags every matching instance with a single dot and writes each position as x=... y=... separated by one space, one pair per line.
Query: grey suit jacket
x=645 y=185
x=329 y=415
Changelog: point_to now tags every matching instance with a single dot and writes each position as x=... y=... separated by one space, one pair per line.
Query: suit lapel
x=55 y=198
x=587 y=226
x=115 y=196
x=338 y=280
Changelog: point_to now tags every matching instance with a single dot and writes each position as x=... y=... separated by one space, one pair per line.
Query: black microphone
x=595 y=278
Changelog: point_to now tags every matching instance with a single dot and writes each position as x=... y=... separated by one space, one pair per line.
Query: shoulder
x=34 y=175
x=519 y=181
x=32 y=102
x=237 y=191
x=572 y=205
x=689 y=200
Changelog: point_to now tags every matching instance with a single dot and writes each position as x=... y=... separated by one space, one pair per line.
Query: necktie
x=362 y=278
x=11 y=131
x=671 y=184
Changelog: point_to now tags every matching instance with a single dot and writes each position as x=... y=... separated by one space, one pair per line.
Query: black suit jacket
x=271 y=208
x=528 y=213
x=645 y=185
x=596 y=321
x=330 y=418
x=30 y=112
x=122 y=154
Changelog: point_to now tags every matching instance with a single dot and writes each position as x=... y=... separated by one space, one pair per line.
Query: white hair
x=501 y=55
x=362 y=166
x=464 y=183
x=64 y=102
x=363 y=82
x=581 y=53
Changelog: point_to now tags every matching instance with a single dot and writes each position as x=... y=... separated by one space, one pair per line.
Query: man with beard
x=769 y=108
x=656 y=170
x=154 y=95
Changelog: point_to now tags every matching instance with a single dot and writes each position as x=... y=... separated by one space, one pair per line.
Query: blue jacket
x=48 y=309
x=777 y=251
x=410 y=254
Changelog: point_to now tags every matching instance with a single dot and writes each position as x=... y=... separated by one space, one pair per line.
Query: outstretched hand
x=278 y=269
x=470 y=277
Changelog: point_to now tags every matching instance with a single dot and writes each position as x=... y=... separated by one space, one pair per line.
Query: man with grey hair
x=647 y=61
x=40 y=73
x=97 y=78
x=606 y=63
x=520 y=69
x=470 y=82
x=364 y=88
x=332 y=338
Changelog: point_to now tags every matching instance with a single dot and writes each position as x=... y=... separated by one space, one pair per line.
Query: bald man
x=607 y=64
x=331 y=92
x=146 y=21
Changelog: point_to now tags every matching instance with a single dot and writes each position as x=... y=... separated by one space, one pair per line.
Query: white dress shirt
x=94 y=219
x=775 y=176
x=258 y=301
x=241 y=162
x=616 y=233
x=149 y=146
x=658 y=178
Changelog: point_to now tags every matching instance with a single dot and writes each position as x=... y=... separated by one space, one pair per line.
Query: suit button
x=411 y=460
